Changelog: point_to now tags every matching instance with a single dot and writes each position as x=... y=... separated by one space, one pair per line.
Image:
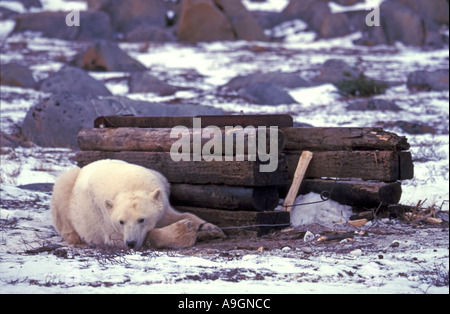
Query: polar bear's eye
x=121 y=222
x=141 y=220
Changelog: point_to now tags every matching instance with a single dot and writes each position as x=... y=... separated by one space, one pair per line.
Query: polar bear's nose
x=131 y=244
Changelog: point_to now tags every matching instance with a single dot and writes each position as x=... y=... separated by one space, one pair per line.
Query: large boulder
x=73 y=80
x=412 y=22
x=202 y=21
x=211 y=20
x=335 y=70
x=428 y=80
x=128 y=14
x=317 y=14
x=264 y=93
x=370 y=104
x=150 y=33
x=14 y=74
x=142 y=82
x=55 y=122
x=436 y=10
x=282 y=79
x=93 y=25
x=107 y=56
x=243 y=23
x=401 y=23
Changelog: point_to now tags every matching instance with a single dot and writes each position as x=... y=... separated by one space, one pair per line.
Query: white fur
x=116 y=203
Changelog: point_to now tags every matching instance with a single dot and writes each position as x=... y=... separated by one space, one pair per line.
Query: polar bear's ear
x=156 y=195
x=109 y=204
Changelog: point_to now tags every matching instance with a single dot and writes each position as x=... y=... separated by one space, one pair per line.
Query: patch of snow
x=367 y=5
x=63 y=5
x=265 y=5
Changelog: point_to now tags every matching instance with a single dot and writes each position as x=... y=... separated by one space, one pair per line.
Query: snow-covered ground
x=416 y=265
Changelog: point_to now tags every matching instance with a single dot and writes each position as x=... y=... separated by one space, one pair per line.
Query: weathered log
x=366 y=165
x=355 y=192
x=225 y=197
x=280 y=120
x=226 y=219
x=233 y=173
x=332 y=139
x=159 y=139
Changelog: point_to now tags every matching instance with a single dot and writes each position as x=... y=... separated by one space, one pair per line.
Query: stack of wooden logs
x=368 y=161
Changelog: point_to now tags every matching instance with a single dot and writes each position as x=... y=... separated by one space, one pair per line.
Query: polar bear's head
x=134 y=214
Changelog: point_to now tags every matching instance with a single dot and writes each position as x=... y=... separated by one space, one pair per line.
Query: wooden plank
x=280 y=120
x=141 y=122
x=366 y=165
x=233 y=173
x=340 y=138
x=225 y=197
x=354 y=192
x=299 y=174
x=225 y=219
x=406 y=167
x=159 y=139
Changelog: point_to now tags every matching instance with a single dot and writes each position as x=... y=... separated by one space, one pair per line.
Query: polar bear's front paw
x=210 y=231
x=184 y=234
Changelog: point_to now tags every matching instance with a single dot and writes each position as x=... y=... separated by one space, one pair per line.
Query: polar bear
x=119 y=204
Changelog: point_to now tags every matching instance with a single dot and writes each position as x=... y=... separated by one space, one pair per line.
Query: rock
x=356 y=253
x=39 y=187
x=93 y=25
x=107 y=56
x=73 y=80
x=374 y=104
x=412 y=22
x=319 y=17
x=13 y=140
x=202 y=21
x=268 y=19
x=307 y=250
x=395 y=244
x=415 y=127
x=428 y=81
x=334 y=25
x=401 y=23
x=128 y=14
x=211 y=20
x=436 y=10
x=244 y=25
x=349 y=80
x=361 y=87
x=282 y=79
x=6 y=14
x=56 y=121
x=14 y=74
x=266 y=94
x=335 y=70
x=150 y=33
x=309 y=236
x=142 y=82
